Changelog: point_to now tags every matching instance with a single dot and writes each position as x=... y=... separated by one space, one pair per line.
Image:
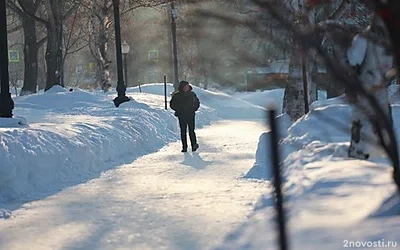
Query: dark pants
x=184 y=122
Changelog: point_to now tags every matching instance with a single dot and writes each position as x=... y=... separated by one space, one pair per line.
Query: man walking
x=185 y=103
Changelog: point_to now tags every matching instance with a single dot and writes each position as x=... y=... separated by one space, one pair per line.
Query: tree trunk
x=99 y=47
x=42 y=68
x=31 y=45
x=54 y=54
x=300 y=91
x=293 y=100
x=31 y=48
x=311 y=70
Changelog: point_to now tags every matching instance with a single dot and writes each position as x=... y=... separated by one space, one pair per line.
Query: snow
x=13 y=122
x=268 y=97
x=357 y=51
x=332 y=201
x=264 y=98
x=278 y=67
x=78 y=173
x=5 y=214
x=224 y=106
x=84 y=174
x=70 y=137
x=164 y=200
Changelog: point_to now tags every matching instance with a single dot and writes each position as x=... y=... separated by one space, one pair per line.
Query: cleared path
x=164 y=200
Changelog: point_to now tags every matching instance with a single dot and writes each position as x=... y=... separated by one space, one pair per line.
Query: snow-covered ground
x=332 y=202
x=75 y=153
x=74 y=136
x=268 y=97
x=78 y=173
x=163 y=200
x=71 y=137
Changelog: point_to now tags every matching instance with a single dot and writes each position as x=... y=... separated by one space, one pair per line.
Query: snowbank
x=328 y=204
x=327 y=195
x=264 y=98
x=5 y=214
x=70 y=137
x=327 y=122
x=225 y=106
x=267 y=97
x=263 y=153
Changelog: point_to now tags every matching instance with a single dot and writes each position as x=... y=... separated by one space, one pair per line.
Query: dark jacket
x=184 y=103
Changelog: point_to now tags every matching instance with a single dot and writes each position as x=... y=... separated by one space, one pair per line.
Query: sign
x=79 y=69
x=92 y=68
x=13 y=56
x=153 y=55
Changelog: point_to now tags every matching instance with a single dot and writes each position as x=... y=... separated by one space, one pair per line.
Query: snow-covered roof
x=278 y=67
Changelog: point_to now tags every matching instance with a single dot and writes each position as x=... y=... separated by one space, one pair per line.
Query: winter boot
x=195 y=147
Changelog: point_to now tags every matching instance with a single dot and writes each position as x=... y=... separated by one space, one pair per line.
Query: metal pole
x=305 y=81
x=165 y=91
x=174 y=46
x=246 y=81
x=6 y=102
x=121 y=88
x=126 y=70
x=277 y=181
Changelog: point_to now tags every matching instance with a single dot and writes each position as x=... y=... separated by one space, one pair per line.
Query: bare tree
x=100 y=34
x=74 y=37
x=31 y=41
x=366 y=86
x=55 y=14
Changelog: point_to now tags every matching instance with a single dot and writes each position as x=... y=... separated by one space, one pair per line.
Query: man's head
x=184 y=86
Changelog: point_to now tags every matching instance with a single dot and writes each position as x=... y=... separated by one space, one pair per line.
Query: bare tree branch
x=32 y=15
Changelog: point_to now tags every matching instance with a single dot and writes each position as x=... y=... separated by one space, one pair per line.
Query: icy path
x=165 y=200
